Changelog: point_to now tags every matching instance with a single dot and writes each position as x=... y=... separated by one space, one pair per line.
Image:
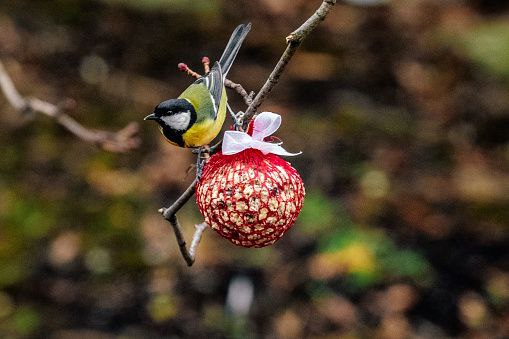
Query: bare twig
x=170 y=214
x=240 y=90
x=248 y=98
x=174 y=222
x=184 y=68
x=206 y=64
x=119 y=142
x=293 y=42
x=189 y=255
x=199 y=229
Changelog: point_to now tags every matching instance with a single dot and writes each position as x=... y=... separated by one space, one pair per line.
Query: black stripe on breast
x=173 y=136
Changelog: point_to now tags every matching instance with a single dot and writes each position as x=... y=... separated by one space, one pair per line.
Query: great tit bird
x=195 y=118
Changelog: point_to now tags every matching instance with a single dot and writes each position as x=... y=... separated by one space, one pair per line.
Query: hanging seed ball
x=250 y=198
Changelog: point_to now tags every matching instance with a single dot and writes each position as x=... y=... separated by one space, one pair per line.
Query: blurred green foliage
x=488 y=46
x=320 y=214
x=365 y=255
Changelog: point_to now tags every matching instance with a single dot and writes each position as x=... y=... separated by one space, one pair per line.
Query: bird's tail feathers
x=233 y=46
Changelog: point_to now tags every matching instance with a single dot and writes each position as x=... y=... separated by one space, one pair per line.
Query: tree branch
x=199 y=229
x=170 y=214
x=293 y=42
x=248 y=98
x=118 y=142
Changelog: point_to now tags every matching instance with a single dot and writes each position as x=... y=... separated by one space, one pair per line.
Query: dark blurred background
x=401 y=109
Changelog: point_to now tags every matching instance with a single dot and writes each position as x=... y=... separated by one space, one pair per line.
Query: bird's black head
x=175 y=116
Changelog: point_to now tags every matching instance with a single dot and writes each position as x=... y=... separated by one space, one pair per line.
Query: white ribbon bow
x=264 y=125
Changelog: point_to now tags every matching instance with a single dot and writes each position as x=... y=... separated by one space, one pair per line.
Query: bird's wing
x=214 y=82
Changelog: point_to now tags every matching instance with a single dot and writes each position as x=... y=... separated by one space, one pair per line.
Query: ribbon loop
x=264 y=125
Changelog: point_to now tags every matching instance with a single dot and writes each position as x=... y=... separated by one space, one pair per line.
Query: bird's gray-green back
x=200 y=97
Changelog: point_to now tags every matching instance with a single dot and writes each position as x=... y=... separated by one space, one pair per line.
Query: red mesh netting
x=250 y=198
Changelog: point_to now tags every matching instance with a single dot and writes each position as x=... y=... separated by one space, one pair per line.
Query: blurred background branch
x=121 y=141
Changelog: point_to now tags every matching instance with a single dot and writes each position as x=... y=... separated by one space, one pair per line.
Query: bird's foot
x=239 y=118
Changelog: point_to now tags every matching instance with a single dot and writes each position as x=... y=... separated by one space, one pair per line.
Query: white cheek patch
x=179 y=121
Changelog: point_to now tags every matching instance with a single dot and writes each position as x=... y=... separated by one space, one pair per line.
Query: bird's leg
x=200 y=162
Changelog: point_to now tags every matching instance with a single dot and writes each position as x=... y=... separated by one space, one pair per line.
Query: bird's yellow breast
x=202 y=133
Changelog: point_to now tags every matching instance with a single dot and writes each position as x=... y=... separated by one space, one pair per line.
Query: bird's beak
x=151 y=116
